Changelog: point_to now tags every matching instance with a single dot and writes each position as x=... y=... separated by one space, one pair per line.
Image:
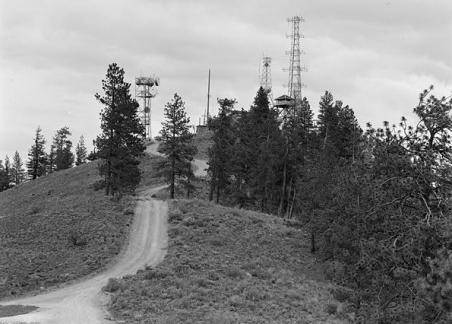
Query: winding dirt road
x=83 y=302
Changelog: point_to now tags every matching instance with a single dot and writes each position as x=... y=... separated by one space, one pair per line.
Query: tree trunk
x=212 y=186
x=218 y=191
x=313 y=249
x=283 y=189
x=293 y=201
x=108 y=178
x=173 y=180
x=288 y=199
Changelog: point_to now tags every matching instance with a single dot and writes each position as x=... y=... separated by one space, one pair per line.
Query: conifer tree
x=261 y=144
x=4 y=178
x=8 y=168
x=327 y=119
x=338 y=128
x=80 y=151
x=220 y=154
x=298 y=134
x=51 y=159
x=37 y=160
x=121 y=141
x=17 y=170
x=64 y=158
x=241 y=158
x=176 y=144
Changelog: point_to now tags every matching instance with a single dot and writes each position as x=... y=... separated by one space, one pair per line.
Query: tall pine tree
x=260 y=144
x=37 y=159
x=17 y=170
x=220 y=154
x=8 y=168
x=4 y=178
x=80 y=152
x=176 y=144
x=298 y=134
x=121 y=141
x=64 y=158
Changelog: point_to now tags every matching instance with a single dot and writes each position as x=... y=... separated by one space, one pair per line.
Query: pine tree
x=241 y=157
x=298 y=133
x=8 y=168
x=176 y=144
x=51 y=159
x=121 y=141
x=261 y=146
x=64 y=158
x=327 y=119
x=220 y=154
x=17 y=170
x=4 y=178
x=338 y=128
x=80 y=151
x=37 y=160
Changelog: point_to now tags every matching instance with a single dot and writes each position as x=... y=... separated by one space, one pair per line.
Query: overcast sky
x=374 y=55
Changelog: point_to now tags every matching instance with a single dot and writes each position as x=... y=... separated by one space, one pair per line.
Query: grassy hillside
x=227 y=265
x=58 y=228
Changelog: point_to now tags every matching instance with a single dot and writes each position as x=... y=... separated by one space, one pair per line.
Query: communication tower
x=146 y=88
x=295 y=68
x=266 y=77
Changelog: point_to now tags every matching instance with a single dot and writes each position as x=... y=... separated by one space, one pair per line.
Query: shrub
x=113 y=285
x=437 y=286
x=154 y=274
x=98 y=185
x=76 y=239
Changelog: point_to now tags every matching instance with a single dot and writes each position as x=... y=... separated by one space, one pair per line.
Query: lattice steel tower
x=146 y=88
x=266 y=77
x=295 y=68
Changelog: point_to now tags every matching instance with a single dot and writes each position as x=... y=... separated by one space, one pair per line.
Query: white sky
x=374 y=55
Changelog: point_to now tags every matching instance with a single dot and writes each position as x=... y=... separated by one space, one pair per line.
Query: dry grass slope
x=58 y=228
x=227 y=265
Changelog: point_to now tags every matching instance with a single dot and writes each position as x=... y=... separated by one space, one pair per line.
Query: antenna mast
x=146 y=88
x=208 y=100
x=294 y=83
x=266 y=77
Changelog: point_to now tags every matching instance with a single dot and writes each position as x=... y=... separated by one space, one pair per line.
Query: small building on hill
x=284 y=102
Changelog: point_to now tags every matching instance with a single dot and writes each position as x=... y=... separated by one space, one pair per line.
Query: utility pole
x=208 y=98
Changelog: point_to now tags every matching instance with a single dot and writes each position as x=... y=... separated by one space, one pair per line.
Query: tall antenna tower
x=266 y=77
x=207 y=113
x=294 y=84
x=146 y=88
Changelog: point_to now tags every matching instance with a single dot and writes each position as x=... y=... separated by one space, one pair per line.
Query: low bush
x=113 y=285
x=76 y=239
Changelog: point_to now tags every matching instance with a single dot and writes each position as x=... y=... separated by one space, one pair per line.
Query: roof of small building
x=284 y=97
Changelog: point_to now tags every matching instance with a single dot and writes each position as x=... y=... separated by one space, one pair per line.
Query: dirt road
x=83 y=302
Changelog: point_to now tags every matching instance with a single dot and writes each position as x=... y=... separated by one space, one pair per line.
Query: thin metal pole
x=208 y=97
